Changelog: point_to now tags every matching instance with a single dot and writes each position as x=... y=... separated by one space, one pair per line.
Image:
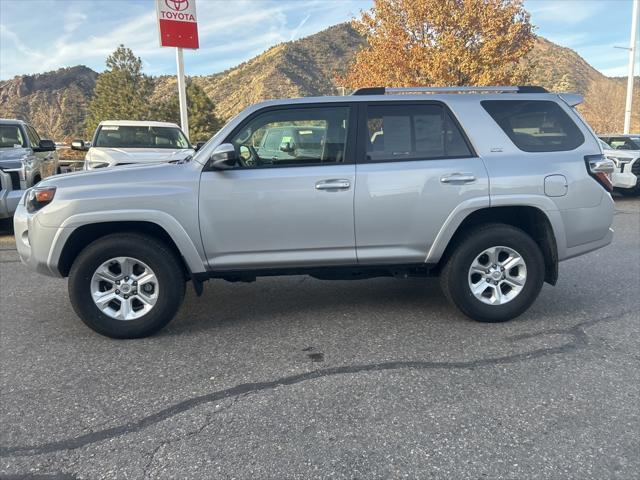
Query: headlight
x=619 y=160
x=38 y=197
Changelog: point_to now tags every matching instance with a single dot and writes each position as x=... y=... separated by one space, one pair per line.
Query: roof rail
x=487 y=89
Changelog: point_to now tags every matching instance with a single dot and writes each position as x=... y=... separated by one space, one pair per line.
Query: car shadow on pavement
x=292 y=299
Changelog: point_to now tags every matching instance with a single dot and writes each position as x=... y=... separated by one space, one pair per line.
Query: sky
x=42 y=35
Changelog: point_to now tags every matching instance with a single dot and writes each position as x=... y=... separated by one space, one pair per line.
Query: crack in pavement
x=209 y=418
x=580 y=340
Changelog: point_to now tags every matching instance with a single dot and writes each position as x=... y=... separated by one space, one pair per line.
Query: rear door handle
x=458 y=178
x=334 y=184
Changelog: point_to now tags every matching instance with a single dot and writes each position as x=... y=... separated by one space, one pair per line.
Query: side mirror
x=79 y=145
x=199 y=145
x=223 y=157
x=45 y=146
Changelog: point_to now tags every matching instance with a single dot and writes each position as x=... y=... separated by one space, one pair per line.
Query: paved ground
x=299 y=378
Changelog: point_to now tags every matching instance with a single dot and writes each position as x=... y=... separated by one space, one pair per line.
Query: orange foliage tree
x=441 y=43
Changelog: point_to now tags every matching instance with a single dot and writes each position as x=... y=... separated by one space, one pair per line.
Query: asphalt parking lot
x=300 y=378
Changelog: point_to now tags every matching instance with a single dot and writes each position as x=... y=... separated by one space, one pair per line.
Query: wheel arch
x=532 y=220
x=70 y=241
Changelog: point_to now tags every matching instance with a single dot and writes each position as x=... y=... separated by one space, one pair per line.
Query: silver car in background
x=25 y=159
x=488 y=189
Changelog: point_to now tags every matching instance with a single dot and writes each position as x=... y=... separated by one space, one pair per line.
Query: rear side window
x=412 y=132
x=535 y=125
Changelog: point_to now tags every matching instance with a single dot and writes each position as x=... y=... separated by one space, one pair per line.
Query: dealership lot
x=300 y=378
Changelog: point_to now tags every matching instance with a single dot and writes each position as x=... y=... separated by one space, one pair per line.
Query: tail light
x=600 y=168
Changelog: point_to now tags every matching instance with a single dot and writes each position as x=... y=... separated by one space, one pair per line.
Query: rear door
x=414 y=167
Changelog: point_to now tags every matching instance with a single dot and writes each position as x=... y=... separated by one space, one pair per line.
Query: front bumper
x=34 y=242
x=9 y=198
x=624 y=180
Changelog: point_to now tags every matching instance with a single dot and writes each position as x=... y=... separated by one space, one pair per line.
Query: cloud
x=562 y=11
x=300 y=25
x=72 y=20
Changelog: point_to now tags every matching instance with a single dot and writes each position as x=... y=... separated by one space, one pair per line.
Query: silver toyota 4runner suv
x=488 y=187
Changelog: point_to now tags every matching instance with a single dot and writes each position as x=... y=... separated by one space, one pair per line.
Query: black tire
x=455 y=274
x=157 y=255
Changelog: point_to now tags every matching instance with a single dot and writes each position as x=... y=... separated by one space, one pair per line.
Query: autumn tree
x=203 y=122
x=122 y=91
x=441 y=43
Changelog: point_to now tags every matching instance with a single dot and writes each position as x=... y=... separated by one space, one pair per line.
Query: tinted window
x=128 y=136
x=412 y=132
x=295 y=137
x=11 y=136
x=534 y=125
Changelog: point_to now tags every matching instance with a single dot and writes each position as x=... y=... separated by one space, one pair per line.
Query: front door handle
x=458 y=178
x=334 y=184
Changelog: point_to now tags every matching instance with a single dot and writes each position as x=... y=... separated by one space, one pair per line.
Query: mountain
x=56 y=102
x=301 y=68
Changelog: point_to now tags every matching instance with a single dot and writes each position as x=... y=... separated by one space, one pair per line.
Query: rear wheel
x=494 y=274
x=126 y=285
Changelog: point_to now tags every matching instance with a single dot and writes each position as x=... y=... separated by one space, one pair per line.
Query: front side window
x=34 y=139
x=535 y=125
x=11 y=136
x=294 y=137
x=412 y=132
x=128 y=136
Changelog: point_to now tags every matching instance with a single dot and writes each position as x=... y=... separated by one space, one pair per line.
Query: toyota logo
x=177 y=5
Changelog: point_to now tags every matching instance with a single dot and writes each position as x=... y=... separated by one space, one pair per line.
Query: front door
x=289 y=210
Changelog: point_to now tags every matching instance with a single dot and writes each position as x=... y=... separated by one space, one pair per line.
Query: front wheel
x=494 y=274
x=126 y=285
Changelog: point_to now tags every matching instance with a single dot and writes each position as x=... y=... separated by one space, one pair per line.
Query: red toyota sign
x=178 y=23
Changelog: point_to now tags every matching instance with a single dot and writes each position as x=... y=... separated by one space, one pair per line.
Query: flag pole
x=182 y=93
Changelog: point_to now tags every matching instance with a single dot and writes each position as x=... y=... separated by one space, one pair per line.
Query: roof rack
x=487 y=89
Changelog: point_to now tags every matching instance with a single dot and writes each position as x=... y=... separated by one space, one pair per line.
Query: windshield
x=625 y=143
x=11 y=136
x=126 y=136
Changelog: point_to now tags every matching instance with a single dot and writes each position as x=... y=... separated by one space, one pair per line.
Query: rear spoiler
x=571 y=99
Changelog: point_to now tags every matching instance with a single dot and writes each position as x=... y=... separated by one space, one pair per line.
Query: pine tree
x=203 y=122
x=122 y=91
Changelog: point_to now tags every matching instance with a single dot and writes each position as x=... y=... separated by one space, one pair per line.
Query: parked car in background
x=25 y=159
x=489 y=189
x=624 y=150
x=293 y=142
x=123 y=142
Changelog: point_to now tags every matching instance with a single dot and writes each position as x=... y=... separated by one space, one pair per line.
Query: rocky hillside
x=56 y=102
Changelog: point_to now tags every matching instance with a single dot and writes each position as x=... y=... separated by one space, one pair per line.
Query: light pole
x=632 y=61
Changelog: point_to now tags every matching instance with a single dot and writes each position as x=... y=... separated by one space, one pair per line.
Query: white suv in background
x=123 y=142
x=624 y=150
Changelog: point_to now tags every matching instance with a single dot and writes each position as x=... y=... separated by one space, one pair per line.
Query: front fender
x=174 y=229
